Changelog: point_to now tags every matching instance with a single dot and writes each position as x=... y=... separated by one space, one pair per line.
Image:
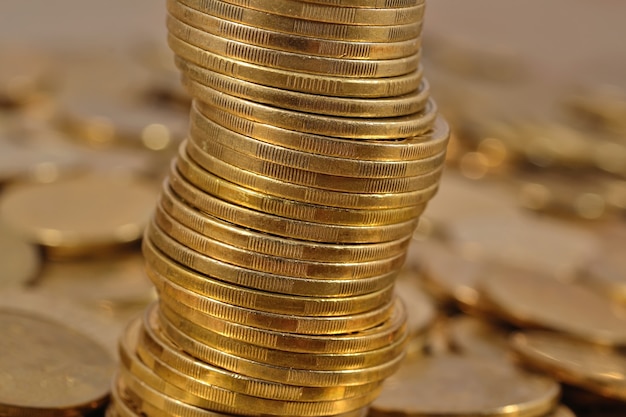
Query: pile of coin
x=286 y=216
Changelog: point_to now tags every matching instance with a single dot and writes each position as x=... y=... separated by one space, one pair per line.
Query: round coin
x=273 y=264
x=48 y=368
x=291 y=42
x=459 y=386
x=596 y=368
x=298 y=81
x=409 y=103
x=244 y=51
x=180 y=329
x=382 y=128
x=535 y=300
x=342 y=15
x=414 y=148
x=336 y=191
x=259 y=280
x=324 y=30
x=170 y=292
x=19 y=260
x=80 y=215
x=280 y=226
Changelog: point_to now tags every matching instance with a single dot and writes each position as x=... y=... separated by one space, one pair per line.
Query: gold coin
x=209 y=135
x=387 y=128
x=476 y=337
x=409 y=103
x=280 y=358
x=595 y=368
x=273 y=264
x=459 y=386
x=80 y=215
x=303 y=27
x=606 y=274
x=290 y=42
x=535 y=300
x=206 y=306
x=357 y=342
x=279 y=187
x=290 y=61
x=420 y=147
x=259 y=280
x=204 y=285
x=335 y=191
x=156 y=348
x=383 y=4
x=280 y=226
x=342 y=15
x=273 y=245
x=290 y=209
x=364 y=377
x=19 y=260
x=49 y=369
x=557 y=249
x=421 y=312
x=297 y=81
x=145 y=381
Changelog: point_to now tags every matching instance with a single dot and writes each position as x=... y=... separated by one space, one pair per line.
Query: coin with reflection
x=595 y=368
x=458 y=386
x=47 y=367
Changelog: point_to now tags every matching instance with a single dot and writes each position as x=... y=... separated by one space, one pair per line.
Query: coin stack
x=313 y=149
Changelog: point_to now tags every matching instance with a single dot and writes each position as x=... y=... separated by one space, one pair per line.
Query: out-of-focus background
x=535 y=92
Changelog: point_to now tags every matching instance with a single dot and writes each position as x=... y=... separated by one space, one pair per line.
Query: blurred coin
x=596 y=368
x=552 y=248
x=530 y=299
x=459 y=386
x=421 y=312
x=48 y=368
x=76 y=216
x=476 y=337
x=19 y=261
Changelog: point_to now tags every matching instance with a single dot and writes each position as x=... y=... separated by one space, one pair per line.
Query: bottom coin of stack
x=171 y=366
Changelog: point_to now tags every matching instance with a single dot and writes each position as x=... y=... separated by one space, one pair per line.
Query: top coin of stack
x=313 y=149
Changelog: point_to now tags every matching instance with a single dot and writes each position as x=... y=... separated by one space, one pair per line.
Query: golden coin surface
x=324 y=13
x=363 y=377
x=280 y=226
x=252 y=259
x=273 y=245
x=260 y=280
x=298 y=81
x=383 y=4
x=291 y=209
x=179 y=330
x=80 y=214
x=384 y=128
x=354 y=107
x=161 y=268
x=303 y=27
x=475 y=337
x=205 y=306
x=156 y=348
x=419 y=147
x=290 y=61
x=607 y=274
x=558 y=249
x=535 y=300
x=48 y=368
x=19 y=260
x=290 y=42
x=596 y=368
x=274 y=178
x=421 y=311
x=210 y=135
x=458 y=386
x=366 y=340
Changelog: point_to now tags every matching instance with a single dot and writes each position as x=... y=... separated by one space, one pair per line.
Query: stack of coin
x=313 y=149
